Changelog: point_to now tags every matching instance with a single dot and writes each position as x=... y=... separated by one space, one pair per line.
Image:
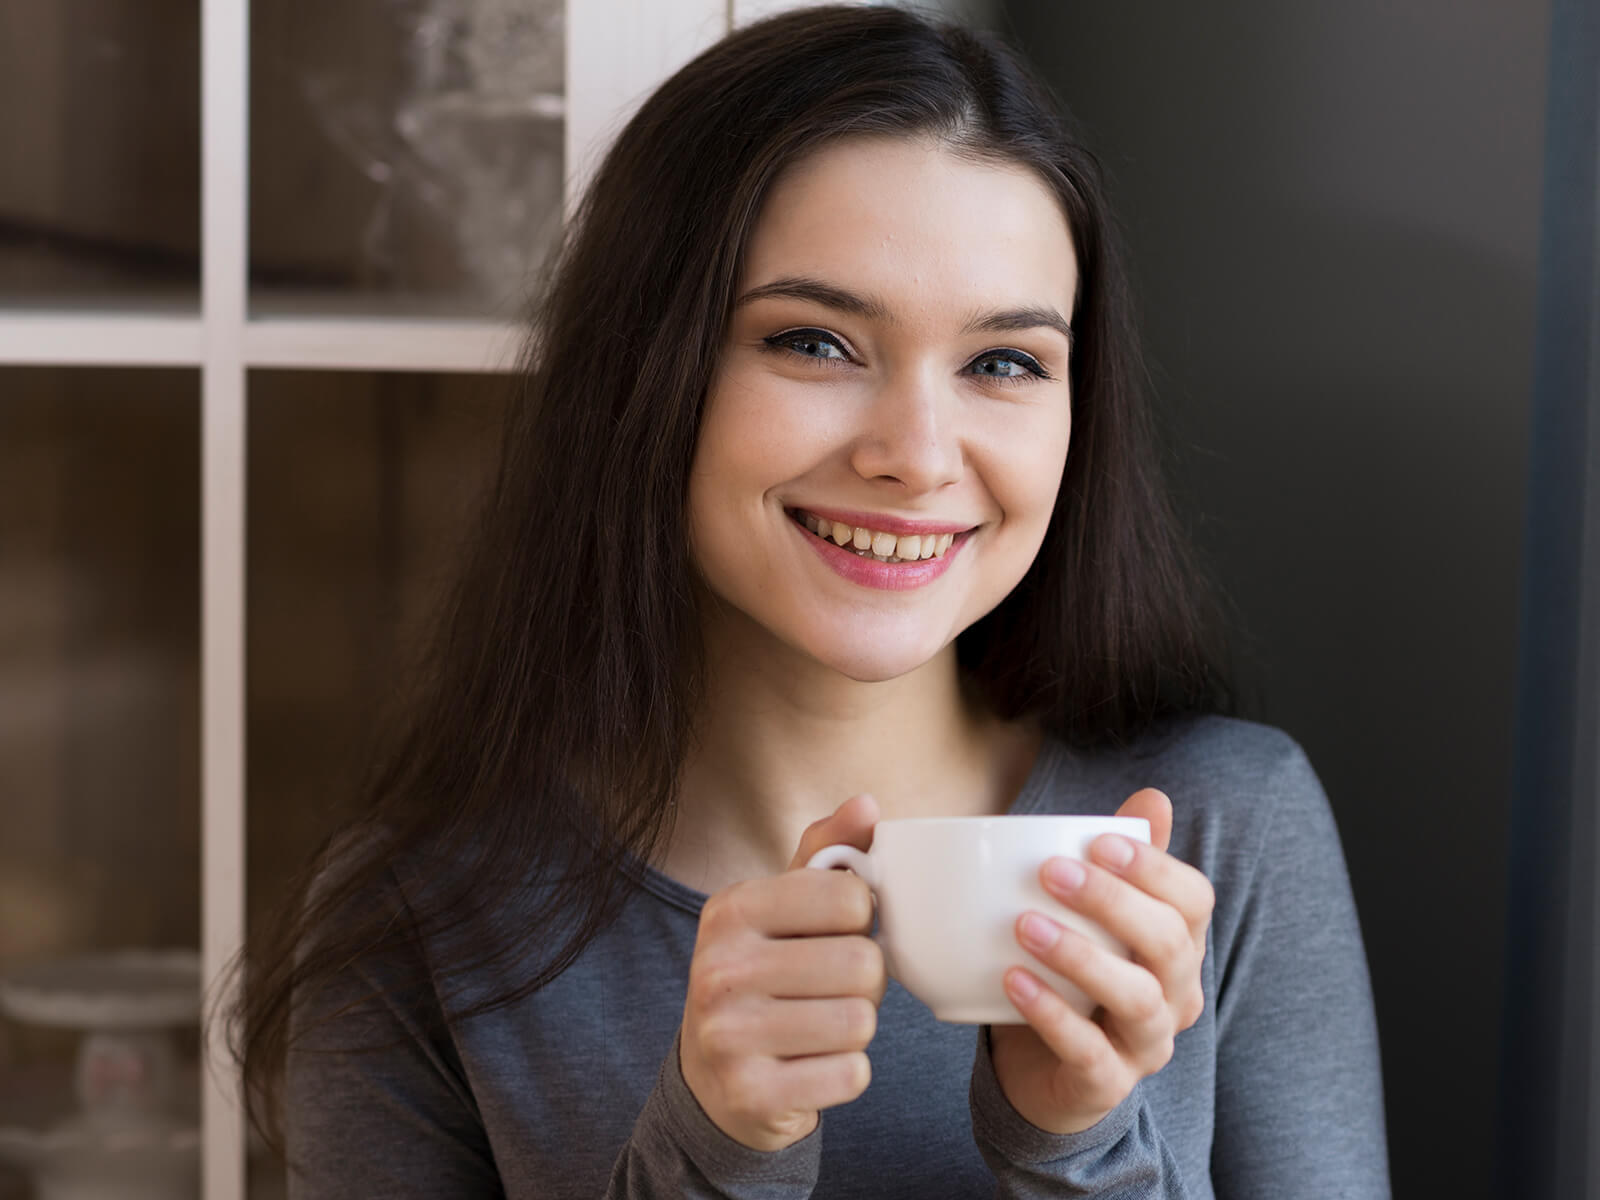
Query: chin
x=875 y=664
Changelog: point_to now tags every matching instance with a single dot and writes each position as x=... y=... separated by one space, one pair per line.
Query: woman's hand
x=1064 y=1072
x=784 y=990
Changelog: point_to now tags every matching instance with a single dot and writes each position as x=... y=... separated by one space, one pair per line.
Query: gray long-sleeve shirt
x=575 y=1092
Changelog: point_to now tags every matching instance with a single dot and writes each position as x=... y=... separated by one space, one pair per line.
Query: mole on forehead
x=870 y=308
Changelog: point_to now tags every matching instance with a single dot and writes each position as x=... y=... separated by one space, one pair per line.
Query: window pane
x=426 y=138
x=99 y=751
x=100 y=140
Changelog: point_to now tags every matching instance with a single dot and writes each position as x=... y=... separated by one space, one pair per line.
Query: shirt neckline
x=1029 y=799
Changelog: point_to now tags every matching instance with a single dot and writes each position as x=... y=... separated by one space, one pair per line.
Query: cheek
x=751 y=442
x=731 y=446
x=763 y=434
x=1028 y=471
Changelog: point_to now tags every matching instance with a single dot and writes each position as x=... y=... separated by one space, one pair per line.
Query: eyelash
x=781 y=343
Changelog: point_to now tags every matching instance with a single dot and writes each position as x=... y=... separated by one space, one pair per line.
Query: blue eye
x=1007 y=366
x=998 y=366
x=808 y=343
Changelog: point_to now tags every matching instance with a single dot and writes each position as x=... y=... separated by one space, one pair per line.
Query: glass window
x=425 y=136
x=100 y=139
x=99 y=762
x=361 y=489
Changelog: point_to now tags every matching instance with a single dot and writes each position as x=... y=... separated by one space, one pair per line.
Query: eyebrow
x=1003 y=320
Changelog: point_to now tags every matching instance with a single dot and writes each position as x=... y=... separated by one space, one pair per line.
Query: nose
x=909 y=434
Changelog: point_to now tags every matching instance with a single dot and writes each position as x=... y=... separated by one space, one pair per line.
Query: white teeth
x=877 y=544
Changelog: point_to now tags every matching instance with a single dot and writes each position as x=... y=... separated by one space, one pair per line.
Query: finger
x=1154 y=807
x=1155 y=933
x=1168 y=879
x=795 y=968
x=823 y=1080
x=798 y=1028
x=1080 y=1045
x=851 y=823
x=794 y=904
x=1135 y=1011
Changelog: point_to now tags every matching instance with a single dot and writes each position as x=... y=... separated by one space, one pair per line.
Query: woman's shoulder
x=1229 y=761
x=1232 y=762
x=1233 y=784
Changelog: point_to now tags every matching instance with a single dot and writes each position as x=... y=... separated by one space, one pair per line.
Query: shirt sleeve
x=1299 y=1097
x=376 y=1103
x=676 y=1150
x=1121 y=1157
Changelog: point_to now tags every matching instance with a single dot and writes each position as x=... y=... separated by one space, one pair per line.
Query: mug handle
x=841 y=855
x=864 y=865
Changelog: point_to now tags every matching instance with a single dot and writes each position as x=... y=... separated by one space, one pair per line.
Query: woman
x=831 y=497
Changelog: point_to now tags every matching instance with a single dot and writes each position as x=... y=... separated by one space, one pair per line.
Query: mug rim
x=1012 y=819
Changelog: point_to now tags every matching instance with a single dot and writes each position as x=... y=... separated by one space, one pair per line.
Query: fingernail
x=1021 y=985
x=1115 y=850
x=1038 y=933
x=1066 y=873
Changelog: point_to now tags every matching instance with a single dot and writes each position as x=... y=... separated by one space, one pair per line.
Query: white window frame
x=617 y=51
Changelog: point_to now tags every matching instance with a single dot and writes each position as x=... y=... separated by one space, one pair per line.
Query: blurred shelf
x=37 y=276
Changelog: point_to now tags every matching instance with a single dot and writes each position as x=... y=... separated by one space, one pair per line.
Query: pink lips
x=878 y=521
x=869 y=572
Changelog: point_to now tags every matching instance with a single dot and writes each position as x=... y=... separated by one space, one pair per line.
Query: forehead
x=922 y=227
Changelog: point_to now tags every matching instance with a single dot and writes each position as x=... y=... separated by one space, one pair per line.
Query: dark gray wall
x=1333 y=212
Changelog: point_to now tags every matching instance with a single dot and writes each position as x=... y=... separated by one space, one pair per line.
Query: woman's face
x=894 y=377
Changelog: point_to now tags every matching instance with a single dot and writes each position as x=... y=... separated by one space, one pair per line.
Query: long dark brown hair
x=562 y=688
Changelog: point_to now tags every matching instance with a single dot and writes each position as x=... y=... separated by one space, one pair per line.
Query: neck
x=784 y=740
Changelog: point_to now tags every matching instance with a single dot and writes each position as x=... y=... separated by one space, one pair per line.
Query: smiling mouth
x=876 y=544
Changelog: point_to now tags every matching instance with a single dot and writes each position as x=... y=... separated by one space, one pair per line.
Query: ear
x=1154 y=807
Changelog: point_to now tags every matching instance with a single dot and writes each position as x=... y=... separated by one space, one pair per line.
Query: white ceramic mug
x=949 y=892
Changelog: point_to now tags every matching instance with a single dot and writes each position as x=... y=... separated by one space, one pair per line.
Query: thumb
x=851 y=823
x=1154 y=807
